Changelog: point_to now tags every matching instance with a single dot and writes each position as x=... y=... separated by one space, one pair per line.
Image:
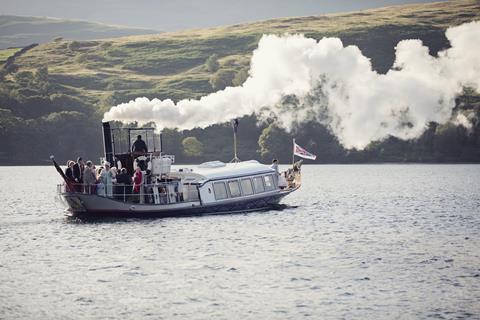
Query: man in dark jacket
x=77 y=170
x=124 y=184
x=139 y=146
x=123 y=177
x=69 y=171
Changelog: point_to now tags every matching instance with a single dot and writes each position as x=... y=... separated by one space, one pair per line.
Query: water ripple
x=369 y=241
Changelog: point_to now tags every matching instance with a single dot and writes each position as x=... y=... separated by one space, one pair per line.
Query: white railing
x=190 y=193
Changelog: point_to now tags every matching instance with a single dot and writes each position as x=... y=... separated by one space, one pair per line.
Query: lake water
x=356 y=241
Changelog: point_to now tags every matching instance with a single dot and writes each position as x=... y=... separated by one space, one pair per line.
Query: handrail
x=190 y=193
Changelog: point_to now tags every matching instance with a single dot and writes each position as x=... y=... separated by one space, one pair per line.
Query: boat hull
x=96 y=207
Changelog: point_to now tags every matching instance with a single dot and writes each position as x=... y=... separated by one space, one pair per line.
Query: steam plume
x=296 y=79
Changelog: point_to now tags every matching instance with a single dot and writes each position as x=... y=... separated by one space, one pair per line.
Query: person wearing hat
x=69 y=170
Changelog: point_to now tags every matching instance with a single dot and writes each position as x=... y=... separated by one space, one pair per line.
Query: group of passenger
x=111 y=182
x=287 y=178
x=104 y=181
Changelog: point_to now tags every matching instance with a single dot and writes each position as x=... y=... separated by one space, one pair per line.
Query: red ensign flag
x=302 y=153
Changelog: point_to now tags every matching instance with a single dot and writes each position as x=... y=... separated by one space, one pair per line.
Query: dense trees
x=192 y=147
x=66 y=134
x=59 y=109
x=32 y=131
x=274 y=142
x=35 y=121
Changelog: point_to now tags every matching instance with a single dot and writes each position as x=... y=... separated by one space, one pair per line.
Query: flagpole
x=293 y=153
x=235 y=145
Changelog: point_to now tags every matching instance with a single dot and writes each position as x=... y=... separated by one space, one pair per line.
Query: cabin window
x=269 y=184
x=234 y=188
x=247 y=187
x=220 y=190
x=258 y=184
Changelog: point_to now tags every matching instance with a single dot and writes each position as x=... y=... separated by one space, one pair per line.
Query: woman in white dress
x=106 y=178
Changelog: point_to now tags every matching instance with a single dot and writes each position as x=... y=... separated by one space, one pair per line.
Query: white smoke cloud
x=334 y=85
x=464 y=120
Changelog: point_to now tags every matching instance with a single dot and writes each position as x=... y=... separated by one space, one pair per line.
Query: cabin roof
x=218 y=170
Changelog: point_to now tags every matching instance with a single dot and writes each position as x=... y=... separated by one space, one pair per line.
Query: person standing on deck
x=124 y=182
x=106 y=178
x=89 y=178
x=69 y=170
x=77 y=171
x=274 y=166
x=139 y=146
x=137 y=181
x=100 y=188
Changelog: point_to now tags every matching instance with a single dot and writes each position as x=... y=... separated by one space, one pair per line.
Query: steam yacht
x=162 y=191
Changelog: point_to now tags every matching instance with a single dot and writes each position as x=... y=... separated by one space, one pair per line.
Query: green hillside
x=18 y=31
x=6 y=53
x=59 y=90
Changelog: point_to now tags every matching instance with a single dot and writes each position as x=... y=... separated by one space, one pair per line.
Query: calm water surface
x=357 y=241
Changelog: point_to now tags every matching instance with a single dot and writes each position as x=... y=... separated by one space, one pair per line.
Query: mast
x=235 y=126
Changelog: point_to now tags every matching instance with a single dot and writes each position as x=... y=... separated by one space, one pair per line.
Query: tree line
x=37 y=120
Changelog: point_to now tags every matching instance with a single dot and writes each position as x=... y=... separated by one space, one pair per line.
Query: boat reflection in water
x=209 y=188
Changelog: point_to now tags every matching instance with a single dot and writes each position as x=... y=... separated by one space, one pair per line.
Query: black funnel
x=107 y=142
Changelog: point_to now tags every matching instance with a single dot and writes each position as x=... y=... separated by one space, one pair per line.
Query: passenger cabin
x=219 y=182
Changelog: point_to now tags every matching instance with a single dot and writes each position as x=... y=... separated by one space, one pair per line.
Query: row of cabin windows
x=237 y=188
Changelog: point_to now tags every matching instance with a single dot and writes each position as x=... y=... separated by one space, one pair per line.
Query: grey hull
x=93 y=206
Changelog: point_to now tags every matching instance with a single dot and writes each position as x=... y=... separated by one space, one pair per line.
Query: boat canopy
x=215 y=170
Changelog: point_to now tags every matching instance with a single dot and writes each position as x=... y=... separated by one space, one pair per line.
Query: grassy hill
x=18 y=31
x=87 y=77
x=6 y=53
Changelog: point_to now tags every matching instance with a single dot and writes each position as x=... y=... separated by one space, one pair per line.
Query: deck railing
x=125 y=193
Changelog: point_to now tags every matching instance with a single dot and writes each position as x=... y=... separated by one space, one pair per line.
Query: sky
x=184 y=14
